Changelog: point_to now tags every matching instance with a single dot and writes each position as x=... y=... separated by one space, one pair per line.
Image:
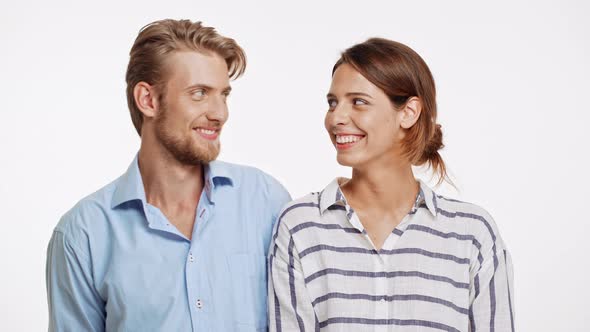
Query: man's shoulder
x=239 y=171
x=88 y=211
x=248 y=176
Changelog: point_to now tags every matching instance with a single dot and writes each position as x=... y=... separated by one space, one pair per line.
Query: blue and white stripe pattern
x=443 y=268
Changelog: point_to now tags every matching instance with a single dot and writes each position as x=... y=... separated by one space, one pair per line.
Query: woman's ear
x=410 y=113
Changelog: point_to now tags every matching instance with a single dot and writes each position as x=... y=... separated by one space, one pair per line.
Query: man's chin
x=195 y=158
x=208 y=160
x=205 y=157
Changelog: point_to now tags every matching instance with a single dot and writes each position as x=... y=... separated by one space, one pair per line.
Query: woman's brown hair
x=401 y=73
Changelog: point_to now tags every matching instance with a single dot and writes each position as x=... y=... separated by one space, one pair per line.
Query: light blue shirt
x=116 y=263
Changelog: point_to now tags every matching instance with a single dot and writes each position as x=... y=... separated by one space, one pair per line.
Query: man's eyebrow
x=206 y=87
x=198 y=86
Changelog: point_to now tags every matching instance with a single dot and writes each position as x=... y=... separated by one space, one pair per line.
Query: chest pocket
x=249 y=289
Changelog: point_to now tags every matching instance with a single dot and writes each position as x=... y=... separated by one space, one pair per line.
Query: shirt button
x=199 y=304
x=191 y=258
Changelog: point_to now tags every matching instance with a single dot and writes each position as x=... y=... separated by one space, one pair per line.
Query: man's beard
x=183 y=149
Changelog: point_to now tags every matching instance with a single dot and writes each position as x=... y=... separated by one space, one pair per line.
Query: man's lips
x=208 y=133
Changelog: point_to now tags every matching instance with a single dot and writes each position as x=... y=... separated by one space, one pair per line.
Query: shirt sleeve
x=279 y=197
x=74 y=304
x=491 y=293
x=290 y=307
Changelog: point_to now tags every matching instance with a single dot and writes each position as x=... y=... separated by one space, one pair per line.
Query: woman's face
x=361 y=120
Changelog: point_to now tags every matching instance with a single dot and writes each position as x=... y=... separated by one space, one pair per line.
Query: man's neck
x=169 y=184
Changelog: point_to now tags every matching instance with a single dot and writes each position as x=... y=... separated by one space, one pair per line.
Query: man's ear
x=410 y=113
x=146 y=99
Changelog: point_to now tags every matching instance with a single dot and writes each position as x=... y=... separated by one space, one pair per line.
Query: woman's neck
x=382 y=188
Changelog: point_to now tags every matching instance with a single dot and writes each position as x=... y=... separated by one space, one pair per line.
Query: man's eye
x=199 y=94
x=359 y=101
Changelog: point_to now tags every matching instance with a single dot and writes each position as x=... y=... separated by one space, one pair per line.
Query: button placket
x=383 y=305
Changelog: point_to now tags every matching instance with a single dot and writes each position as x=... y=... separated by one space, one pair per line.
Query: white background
x=512 y=78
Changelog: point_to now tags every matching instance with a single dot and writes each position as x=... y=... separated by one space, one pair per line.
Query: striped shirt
x=443 y=268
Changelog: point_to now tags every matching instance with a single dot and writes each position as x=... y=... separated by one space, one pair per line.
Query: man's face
x=193 y=109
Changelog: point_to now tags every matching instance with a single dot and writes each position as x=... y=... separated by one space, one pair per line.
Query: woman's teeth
x=347 y=139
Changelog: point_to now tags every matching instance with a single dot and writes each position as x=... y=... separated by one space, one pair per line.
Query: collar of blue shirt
x=130 y=186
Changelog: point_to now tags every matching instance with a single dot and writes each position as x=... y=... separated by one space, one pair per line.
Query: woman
x=382 y=251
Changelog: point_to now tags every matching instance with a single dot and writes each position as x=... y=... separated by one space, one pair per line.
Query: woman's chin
x=348 y=160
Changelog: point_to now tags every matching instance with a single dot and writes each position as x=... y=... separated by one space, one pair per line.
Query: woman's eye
x=359 y=101
x=332 y=103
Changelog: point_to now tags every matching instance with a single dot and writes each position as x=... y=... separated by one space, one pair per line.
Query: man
x=178 y=243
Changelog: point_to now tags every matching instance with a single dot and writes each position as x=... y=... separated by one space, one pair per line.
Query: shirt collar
x=130 y=185
x=427 y=196
x=217 y=173
x=332 y=195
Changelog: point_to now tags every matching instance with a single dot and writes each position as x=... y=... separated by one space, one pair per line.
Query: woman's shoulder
x=299 y=210
x=476 y=219
x=450 y=204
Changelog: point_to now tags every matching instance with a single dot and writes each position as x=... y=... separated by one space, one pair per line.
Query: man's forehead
x=185 y=68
